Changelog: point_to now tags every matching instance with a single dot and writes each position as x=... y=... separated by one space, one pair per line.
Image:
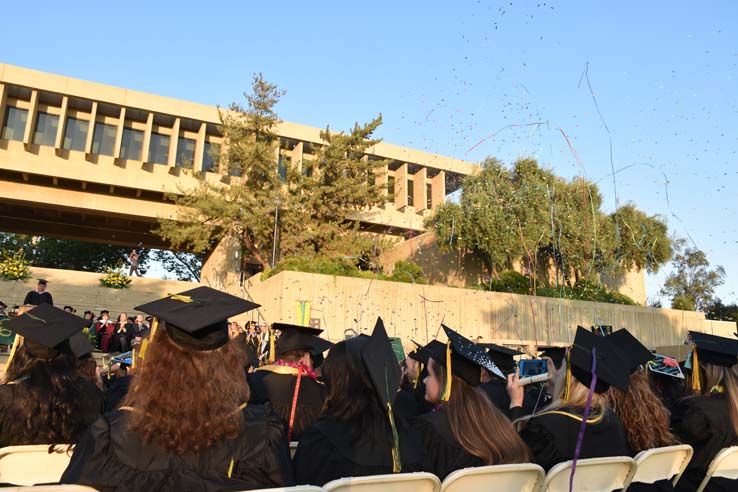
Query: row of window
x=103 y=139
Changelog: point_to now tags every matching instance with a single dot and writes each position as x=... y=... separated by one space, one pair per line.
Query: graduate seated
x=185 y=423
x=708 y=420
x=289 y=383
x=45 y=398
x=358 y=433
x=495 y=387
x=579 y=397
x=465 y=429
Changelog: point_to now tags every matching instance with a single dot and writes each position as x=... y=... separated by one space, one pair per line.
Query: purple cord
x=585 y=416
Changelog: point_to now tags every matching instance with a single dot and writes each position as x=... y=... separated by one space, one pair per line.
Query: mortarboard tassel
x=272 y=355
x=420 y=370
x=568 y=376
x=585 y=416
x=230 y=467
x=133 y=358
x=147 y=340
x=13 y=349
x=696 y=386
x=396 y=463
x=449 y=374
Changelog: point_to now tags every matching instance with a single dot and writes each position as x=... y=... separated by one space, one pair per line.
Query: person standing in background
x=133 y=258
x=39 y=296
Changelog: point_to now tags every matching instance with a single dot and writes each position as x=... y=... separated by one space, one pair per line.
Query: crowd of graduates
x=196 y=409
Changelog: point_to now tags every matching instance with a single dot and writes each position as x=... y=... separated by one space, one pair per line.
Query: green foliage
x=555 y=228
x=115 y=279
x=184 y=266
x=510 y=281
x=405 y=271
x=693 y=282
x=14 y=265
x=408 y=271
x=722 y=312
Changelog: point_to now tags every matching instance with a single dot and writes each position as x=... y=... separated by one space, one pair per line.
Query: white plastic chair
x=666 y=463
x=592 y=475
x=296 y=488
x=526 y=477
x=32 y=464
x=723 y=465
x=50 y=488
x=397 y=482
x=293 y=448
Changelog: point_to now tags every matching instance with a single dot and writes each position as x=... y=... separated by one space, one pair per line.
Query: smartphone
x=532 y=371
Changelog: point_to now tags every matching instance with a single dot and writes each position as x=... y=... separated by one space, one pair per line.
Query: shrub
x=14 y=265
x=115 y=279
x=408 y=271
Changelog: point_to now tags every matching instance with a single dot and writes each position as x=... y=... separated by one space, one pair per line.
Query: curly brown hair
x=186 y=400
x=642 y=414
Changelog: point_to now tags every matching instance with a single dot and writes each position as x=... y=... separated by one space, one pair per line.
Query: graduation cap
x=46 y=329
x=42 y=281
x=556 y=354
x=80 y=345
x=380 y=362
x=319 y=347
x=296 y=337
x=609 y=365
x=629 y=346
x=425 y=352
x=197 y=319
x=713 y=349
x=501 y=356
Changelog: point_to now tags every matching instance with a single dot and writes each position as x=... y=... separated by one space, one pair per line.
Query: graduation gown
x=115 y=392
x=703 y=422
x=12 y=428
x=496 y=391
x=328 y=451
x=406 y=404
x=552 y=436
x=110 y=457
x=36 y=298
x=276 y=385
x=443 y=454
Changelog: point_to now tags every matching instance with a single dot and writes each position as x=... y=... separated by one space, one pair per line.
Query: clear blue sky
x=446 y=75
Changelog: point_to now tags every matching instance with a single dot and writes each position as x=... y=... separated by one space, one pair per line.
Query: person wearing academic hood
x=290 y=383
x=185 y=423
x=359 y=433
x=591 y=366
x=411 y=398
x=45 y=399
x=465 y=429
x=708 y=420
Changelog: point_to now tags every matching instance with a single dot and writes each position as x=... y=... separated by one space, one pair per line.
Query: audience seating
x=724 y=465
x=667 y=463
x=498 y=478
x=33 y=464
x=592 y=475
x=399 y=482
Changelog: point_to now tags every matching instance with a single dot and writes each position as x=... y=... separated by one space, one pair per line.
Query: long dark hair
x=49 y=397
x=351 y=397
x=478 y=426
x=185 y=400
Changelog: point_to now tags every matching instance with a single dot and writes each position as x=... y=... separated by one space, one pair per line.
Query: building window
x=209 y=162
x=15 y=123
x=428 y=196
x=185 y=152
x=307 y=168
x=159 y=149
x=284 y=162
x=75 y=134
x=410 y=193
x=46 y=126
x=103 y=140
x=131 y=144
x=390 y=188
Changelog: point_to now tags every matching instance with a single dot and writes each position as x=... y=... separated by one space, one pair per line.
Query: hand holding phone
x=532 y=371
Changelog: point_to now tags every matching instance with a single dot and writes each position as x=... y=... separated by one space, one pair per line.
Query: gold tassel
x=396 y=463
x=230 y=468
x=145 y=343
x=133 y=358
x=568 y=376
x=13 y=349
x=272 y=355
x=420 y=370
x=177 y=297
x=449 y=374
x=696 y=386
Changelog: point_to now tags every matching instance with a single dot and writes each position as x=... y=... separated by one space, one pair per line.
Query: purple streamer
x=585 y=416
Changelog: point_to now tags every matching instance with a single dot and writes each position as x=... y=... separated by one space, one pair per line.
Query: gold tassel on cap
x=449 y=374
x=272 y=350
x=568 y=376
x=696 y=386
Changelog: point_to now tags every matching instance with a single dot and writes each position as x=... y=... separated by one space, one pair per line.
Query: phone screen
x=534 y=367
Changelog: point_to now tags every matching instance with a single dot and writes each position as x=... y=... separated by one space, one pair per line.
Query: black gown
x=278 y=389
x=115 y=392
x=37 y=298
x=328 y=451
x=112 y=458
x=443 y=454
x=405 y=403
x=703 y=422
x=12 y=431
x=496 y=391
x=552 y=436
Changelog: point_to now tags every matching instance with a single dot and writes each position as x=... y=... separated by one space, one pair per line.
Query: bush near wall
x=404 y=271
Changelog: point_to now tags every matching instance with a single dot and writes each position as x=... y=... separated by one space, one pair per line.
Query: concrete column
x=222 y=268
x=297 y=156
x=173 y=143
x=147 y=137
x=31 y=121
x=59 y=141
x=380 y=178
x=419 y=193
x=91 y=130
x=3 y=105
x=438 y=189
x=401 y=187
x=200 y=147
x=119 y=133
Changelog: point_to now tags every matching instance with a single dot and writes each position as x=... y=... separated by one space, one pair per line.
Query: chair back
x=33 y=464
x=667 y=463
x=396 y=482
x=592 y=475
x=723 y=465
x=296 y=488
x=525 y=477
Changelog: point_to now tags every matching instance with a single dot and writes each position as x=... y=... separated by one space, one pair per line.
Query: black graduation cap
x=46 y=329
x=501 y=356
x=42 y=281
x=80 y=345
x=297 y=337
x=629 y=346
x=424 y=352
x=197 y=319
x=319 y=347
x=556 y=354
x=611 y=366
x=716 y=350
